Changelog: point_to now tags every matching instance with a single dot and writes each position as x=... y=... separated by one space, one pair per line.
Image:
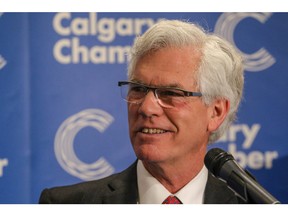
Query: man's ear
x=218 y=110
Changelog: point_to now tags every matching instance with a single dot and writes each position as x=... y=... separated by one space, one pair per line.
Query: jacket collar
x=123 y=189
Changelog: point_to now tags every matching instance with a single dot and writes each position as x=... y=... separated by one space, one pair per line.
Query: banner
x=62 y=120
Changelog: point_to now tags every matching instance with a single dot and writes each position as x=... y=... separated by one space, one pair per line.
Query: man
x=183 y=92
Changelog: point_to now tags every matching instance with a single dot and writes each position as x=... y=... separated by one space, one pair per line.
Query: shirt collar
x=151 y=191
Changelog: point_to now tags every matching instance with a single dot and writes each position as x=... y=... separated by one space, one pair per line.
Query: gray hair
x=220 y=74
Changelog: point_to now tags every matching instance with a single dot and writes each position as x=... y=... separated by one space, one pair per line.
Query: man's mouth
x=153 y=131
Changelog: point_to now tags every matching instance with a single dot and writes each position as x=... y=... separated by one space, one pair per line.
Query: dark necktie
x=171 y=200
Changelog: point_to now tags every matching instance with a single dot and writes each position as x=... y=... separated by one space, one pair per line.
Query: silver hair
x=220 y=74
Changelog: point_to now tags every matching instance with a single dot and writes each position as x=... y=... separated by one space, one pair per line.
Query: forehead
x=168 y=67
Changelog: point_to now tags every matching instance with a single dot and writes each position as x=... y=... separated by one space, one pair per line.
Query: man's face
x=168 y=135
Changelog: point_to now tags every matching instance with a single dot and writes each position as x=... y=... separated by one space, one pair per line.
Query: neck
x=175 y=175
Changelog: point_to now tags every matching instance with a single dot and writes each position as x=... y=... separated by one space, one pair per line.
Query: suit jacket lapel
x=123 y=189
x=217 y=192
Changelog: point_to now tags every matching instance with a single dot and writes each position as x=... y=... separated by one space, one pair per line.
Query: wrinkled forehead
x=171 y=67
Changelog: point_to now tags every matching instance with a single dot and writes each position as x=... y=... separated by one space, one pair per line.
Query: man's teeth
x=152 y=131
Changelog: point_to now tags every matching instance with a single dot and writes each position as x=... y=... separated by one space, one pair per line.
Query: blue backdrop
x=61 y=117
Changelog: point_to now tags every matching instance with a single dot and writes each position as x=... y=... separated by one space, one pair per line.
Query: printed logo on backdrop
x=226 y=25
x=247 y=157
x=3 y=61
x=255 y=62
x=3 y=163
x=74 y=48
x=64 y=141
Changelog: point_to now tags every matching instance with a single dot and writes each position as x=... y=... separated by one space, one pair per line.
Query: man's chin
x=147 y=154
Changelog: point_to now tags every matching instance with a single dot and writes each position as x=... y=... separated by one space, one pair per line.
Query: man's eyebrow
x=137 y=81
x=170 y=85
x=174 y=85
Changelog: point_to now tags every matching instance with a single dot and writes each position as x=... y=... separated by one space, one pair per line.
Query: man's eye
x=172 y=93
x=138 y=89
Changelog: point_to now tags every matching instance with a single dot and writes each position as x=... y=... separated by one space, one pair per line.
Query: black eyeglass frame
x=186 y=93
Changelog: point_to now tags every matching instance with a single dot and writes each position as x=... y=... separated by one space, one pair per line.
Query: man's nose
x=150 y=105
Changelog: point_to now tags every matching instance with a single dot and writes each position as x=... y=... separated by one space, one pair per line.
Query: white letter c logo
x=225 y=27
x=63 y=145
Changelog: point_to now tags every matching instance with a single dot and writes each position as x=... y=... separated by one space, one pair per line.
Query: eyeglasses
x=167 y=97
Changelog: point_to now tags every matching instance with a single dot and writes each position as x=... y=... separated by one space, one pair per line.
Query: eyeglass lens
x=134 y=93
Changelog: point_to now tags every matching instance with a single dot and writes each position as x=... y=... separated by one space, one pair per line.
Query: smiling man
x=183 y=91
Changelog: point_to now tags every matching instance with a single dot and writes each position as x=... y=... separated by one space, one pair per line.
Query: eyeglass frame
x=154 y=89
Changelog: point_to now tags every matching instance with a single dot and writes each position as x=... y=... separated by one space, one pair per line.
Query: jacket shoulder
x=91 y=191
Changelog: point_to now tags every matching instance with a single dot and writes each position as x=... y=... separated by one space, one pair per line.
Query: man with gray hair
x=183 y=90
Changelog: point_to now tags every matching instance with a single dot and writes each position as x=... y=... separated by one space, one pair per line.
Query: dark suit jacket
x=122 y=188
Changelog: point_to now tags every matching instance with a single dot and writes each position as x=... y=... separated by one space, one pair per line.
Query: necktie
x=171 y=200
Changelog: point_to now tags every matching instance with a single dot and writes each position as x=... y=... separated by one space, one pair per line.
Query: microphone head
x=215 y=158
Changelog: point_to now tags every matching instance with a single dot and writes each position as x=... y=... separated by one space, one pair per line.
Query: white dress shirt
x=151 y=191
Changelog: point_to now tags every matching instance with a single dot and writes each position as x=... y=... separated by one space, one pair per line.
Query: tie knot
x=172 y=200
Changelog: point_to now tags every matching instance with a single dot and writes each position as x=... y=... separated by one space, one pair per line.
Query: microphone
x=223 y=166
